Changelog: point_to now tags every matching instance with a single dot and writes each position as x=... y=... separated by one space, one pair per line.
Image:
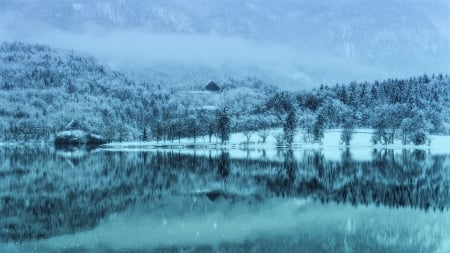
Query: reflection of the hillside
x=46 y=194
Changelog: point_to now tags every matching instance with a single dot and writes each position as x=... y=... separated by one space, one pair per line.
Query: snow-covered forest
x=42 y=89
x=224 y=126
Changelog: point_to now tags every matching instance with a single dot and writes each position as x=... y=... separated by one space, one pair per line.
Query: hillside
x=43 y=89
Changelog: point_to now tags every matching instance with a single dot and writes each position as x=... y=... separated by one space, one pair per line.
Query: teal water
x=214 y=201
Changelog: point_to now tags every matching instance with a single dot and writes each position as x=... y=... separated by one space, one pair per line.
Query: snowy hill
x=42 y=89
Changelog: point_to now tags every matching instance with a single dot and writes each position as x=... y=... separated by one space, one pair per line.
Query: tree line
x=396 y=109
x=47 y=88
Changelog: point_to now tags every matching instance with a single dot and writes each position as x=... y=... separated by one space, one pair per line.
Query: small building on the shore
x=212 y=86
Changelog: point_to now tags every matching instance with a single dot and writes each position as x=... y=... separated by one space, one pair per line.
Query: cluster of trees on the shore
x=42 y=89
x=403 y=109
x=202 y=123
x=407 y=110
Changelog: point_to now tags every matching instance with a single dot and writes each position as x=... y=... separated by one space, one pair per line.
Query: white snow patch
x=73 y=133
x=360 y=147
x=209 y=107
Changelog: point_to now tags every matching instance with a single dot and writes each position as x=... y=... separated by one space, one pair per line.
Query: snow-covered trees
x=263 y=134
x=347 y=130
x=307 y=123
x=402 y=121
x=414 y=128
x=289 y=127
x=192 y=127
x=144 y=135
x=158 y=130
x=248 y=135
x=42 y=89
x=384 y=127
x=318 y=128
x=223 y=125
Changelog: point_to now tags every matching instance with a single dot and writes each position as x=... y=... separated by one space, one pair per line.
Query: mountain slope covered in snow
x=302 y=43
x=42 y=89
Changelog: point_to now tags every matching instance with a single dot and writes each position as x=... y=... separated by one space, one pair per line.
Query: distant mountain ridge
x=353 y=24
x=336 y=40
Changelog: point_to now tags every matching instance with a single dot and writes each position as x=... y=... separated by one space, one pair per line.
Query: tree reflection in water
x=47 y=193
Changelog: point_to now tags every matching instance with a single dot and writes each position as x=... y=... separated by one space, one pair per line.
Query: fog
x=296 y=51
x=141 y=50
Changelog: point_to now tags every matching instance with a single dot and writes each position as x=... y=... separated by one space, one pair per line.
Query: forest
x=42 y=89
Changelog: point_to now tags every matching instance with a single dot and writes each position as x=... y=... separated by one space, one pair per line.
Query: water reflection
x=48 y=193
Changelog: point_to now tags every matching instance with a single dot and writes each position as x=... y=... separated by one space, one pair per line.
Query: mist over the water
x=294 y=44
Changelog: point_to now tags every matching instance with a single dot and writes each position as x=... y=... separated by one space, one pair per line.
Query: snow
x=73 y=133
x=204 y=92
x=360 y=148
x=209 y=107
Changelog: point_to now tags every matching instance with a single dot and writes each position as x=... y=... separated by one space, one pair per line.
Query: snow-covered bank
x=361 y=143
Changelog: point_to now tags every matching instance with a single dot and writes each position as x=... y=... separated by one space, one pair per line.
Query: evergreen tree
x=122 y=131
x=210 y=127
x=318 y=128
x=289 y=127
x=192 y=127
x=223 y=126
x=158 y=130
x=144 y=135
x=342 y=95
x=109 y=131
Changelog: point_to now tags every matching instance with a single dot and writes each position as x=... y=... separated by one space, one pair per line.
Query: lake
x=78 y=201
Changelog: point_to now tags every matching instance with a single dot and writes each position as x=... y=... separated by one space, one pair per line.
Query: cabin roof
x=212 y=86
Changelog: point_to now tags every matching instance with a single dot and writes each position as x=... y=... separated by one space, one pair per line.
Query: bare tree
x=263 y=134
x=248 y=135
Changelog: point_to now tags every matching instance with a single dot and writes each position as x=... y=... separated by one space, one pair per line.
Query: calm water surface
x=223 y=201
